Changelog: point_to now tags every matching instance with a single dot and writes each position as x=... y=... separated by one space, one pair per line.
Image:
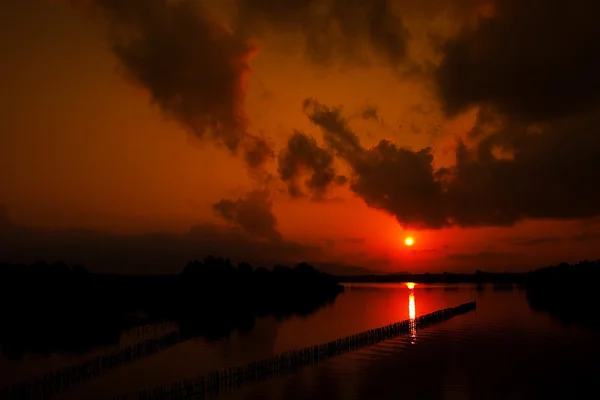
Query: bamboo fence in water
x=215 y=382
x=221 y=380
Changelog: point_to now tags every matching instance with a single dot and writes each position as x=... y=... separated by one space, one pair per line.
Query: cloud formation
x=399 y=181
x=194 y=68
x=332 y=30
x=252 y=213
x=535 y=60
x=370 y=112
x=538 y=92
x=304 y=154
x=527 y=67
x=550 y=173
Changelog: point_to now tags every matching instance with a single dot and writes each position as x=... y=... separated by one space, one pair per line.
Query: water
x=503 y=350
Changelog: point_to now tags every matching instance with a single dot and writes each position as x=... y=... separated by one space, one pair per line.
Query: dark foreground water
x=504 y=350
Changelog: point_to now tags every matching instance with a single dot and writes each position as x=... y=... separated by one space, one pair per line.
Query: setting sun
x=409 y=241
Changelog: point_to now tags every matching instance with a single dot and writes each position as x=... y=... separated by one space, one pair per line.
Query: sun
x=409 y=241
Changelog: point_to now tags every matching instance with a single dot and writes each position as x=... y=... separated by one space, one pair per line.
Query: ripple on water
x=503 y=350
x=459 y=359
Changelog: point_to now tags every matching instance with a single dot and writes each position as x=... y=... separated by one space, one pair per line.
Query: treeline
x=565 y=276
x=54 y=307
x=445 y=277
x=567 y=291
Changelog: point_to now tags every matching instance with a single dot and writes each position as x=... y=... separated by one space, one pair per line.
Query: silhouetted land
x=568 y=292
x=446 y=277
x=54 y=307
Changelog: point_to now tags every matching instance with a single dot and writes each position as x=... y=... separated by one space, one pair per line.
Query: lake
x=503 y=350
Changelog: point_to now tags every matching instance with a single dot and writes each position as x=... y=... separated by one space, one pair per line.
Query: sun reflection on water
x=412 y=312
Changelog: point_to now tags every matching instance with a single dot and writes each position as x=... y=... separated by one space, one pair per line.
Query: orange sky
x=82 y=145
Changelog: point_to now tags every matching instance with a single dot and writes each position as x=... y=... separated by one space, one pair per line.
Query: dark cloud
x=193 y=67
x=536 y=60
x=538 y=92
x=487 y=122
x=301 y=155
x=332 y=30
x=257 y=151
x=400 y=181
x=252 y=213
x=412 y=193
x=550 y=172
x=530 y=67
x=336 y=132
x=370 y=112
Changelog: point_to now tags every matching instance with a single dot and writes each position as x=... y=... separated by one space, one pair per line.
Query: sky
x=136 y=135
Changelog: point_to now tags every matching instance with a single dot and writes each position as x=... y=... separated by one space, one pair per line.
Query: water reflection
x=412 y=312
x=504 y=350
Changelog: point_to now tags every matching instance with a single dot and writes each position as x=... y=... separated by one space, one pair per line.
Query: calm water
x=503 y=350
